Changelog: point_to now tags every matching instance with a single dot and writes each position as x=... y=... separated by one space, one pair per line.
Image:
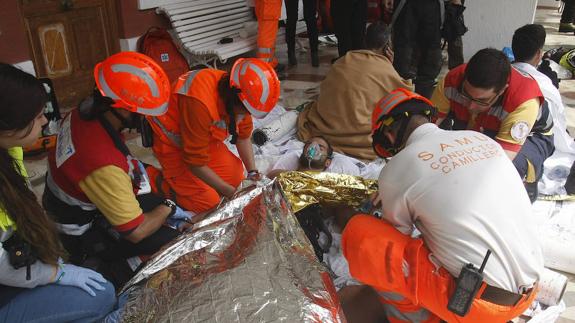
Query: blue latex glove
x=179 y=218
x=84 y=278
x=182 y=215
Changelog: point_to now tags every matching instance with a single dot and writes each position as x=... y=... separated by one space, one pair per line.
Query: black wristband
x=169 y=203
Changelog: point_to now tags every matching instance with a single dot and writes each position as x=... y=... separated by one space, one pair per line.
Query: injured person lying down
x=317 y=155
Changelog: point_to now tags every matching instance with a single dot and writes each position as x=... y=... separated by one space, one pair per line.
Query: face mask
x=312 y=158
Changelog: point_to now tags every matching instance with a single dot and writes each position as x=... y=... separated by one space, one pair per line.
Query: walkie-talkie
x=468 y=284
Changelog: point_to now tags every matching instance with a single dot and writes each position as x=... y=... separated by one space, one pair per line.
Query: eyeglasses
x=483 y=103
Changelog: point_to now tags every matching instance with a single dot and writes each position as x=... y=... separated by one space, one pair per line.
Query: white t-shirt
x=340 y=164
x=465 y=196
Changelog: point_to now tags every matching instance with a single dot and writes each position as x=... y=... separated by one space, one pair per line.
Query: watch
x=171 y=204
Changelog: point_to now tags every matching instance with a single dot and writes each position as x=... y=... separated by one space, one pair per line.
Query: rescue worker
x=95 y=189
x=268 y=13
x=35 y=284
x=449 y=186
x=206 y=107
x=490 y=96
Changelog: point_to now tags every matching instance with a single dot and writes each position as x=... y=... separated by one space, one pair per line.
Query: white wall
x=548 y=3
x=491 y=23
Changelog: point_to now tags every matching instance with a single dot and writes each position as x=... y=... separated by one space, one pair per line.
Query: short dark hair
x=377 y=35
x=527 y=40
x=489 y=68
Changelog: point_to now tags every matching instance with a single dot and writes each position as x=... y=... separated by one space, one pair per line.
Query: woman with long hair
x=35 y=283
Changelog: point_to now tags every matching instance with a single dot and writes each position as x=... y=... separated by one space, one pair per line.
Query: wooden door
x=67 y=39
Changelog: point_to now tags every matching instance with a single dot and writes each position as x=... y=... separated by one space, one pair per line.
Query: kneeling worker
x=94 y=182
x=448 y=185
x=490 y=96
x=207 y=106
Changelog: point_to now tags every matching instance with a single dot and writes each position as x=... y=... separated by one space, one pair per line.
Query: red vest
x=521 y=88
x=201 y=85
x=82 y=147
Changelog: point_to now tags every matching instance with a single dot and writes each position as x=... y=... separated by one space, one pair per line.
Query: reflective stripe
x=498 y=112
x=253 y=111
x=173 y=137
x=140 y=73
x=154 y=112
x=74 y=229
x=236 y=76
x=105 y=88
x=264 y=81
x=187 y=83
x=453 y=94
x=390 y=102
x=419 y=316
x=265 y=50
x=64 y=197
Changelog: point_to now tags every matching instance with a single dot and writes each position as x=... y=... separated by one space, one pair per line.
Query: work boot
x=314 y=59
x=292 y=60
x=566 y=27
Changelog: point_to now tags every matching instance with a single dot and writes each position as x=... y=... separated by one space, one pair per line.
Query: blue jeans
x=57 y=303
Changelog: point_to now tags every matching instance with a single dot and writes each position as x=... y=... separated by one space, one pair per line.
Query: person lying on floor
x=317 y=155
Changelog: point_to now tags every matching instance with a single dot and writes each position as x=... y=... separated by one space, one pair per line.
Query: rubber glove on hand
x=179 y=219
x=84 y=278
x=180 y=214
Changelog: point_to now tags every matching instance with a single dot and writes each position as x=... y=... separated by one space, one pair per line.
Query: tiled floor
x=301 y=84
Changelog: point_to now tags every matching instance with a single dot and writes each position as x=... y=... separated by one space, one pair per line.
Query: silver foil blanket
x=249 y=261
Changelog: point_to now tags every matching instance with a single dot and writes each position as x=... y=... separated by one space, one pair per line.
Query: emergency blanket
x=248 y=261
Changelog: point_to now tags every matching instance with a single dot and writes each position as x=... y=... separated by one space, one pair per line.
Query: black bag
x=20 y=253
x=311 y=221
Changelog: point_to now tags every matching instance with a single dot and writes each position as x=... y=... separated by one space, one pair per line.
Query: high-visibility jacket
x=201 y=85
x=83 y=147
x=521 y=89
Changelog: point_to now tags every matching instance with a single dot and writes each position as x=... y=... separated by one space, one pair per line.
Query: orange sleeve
x=245 y=127
x=195 y=123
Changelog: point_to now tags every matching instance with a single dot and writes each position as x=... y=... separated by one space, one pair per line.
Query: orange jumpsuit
x=191 y=134
x=399 y=267
x=268 y=13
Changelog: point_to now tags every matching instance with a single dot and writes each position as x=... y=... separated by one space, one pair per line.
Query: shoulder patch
x=520 y=131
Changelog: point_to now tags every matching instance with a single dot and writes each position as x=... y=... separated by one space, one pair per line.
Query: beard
x=312 y=164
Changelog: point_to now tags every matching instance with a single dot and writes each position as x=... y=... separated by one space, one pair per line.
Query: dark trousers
x=349 y=19
x=536 y=149
x=568 y=15
x=418 y=29
x=309 y=15
x=455 y=53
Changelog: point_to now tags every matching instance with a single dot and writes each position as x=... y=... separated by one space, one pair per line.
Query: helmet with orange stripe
x=135 y=82
x=258 y=84
x=398 y=106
